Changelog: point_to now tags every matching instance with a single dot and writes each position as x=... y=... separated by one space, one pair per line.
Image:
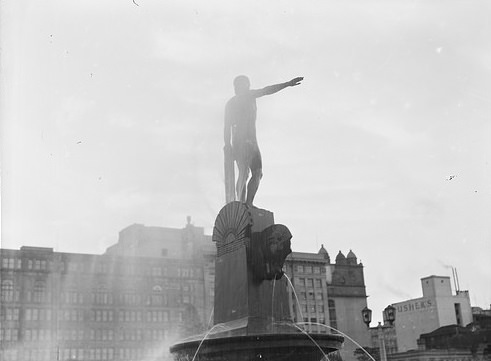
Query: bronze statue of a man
x=240 y=125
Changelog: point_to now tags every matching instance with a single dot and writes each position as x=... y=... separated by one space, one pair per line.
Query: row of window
x=35 y=314
x=131 y=316
x=123 y=315
x=62 y=354
x=11 y=263
x=316 y=325
x=313 y=308
x=315 y=320
x=32 y=264
x=99 y=267
x=309 y=269
x=102 y=353
x=152 y=316
x=311 y=295
x=9 y=314
x=9 y=355
x=40 y=295
x=106 y=298
x=35 y=335
x=155 y=271
x=8 y=294
x=140 y=335
x=307 y=310
x=28 y=355
x=308 y=282
x=38 y=264
x=332 y=313
x=9 y=334
x=77 y=315
x=11 y=294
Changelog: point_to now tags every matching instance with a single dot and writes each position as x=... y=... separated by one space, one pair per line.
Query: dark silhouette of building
x=450 y=343
x=481 y=319
x=456 y=337
x=474 y=338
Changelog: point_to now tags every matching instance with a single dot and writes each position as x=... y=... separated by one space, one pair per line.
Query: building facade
x=329 y=297
x=308 y=290
x=435 y=355
x=451 y=343
x=64 y=306
x=387 y=333
x=481 y=319
x=347 y=297
x=438 y=307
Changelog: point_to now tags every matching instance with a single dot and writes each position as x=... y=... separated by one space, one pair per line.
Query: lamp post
x=389 y=315
x=366 y=314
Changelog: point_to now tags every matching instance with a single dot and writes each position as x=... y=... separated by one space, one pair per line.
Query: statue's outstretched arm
x=271 y=89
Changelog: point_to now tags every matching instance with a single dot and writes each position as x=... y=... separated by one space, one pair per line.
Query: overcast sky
x=112 y=114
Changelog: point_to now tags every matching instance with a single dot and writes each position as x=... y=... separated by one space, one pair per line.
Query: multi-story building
x=387 y=333
x=116 y=306
x=308 y=291
x=329 y=297
x=187 y=249
x=481 y=319
x=438 y=307
x=434 y=355
x=347 y=297
x=450 y=343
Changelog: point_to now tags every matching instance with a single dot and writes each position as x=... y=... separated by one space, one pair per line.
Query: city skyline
x=112 y=114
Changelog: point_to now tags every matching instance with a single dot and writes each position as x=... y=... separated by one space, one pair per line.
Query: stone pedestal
x=251 y=316
x=240 y=293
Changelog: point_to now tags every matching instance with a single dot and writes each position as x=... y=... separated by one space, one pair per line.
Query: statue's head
x=241 y=84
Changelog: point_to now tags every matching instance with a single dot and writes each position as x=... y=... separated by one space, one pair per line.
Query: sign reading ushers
x=414 y=305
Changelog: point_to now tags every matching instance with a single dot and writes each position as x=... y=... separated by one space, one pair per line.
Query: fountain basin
x=264 y=347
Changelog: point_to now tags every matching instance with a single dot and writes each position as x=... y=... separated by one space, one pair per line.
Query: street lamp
x=389 y=315
x=366 y=314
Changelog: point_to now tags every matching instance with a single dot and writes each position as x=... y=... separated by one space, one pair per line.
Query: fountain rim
x=334 y=341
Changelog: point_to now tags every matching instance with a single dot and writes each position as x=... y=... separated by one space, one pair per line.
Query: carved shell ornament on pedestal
x=232 y=228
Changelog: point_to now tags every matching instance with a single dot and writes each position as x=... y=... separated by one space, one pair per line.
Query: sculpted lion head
x=271 y=249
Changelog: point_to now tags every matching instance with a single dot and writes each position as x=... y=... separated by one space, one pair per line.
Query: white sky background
x=112 y=114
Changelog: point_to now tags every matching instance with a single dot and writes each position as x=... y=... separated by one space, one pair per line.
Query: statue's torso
x=242 y=113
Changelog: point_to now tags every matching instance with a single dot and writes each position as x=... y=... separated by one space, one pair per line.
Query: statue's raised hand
x=296 y=81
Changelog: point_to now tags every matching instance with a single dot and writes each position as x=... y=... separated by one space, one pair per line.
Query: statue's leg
x=241 y=181
x=257 y=174
x=229 y=171
x=253 y=185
